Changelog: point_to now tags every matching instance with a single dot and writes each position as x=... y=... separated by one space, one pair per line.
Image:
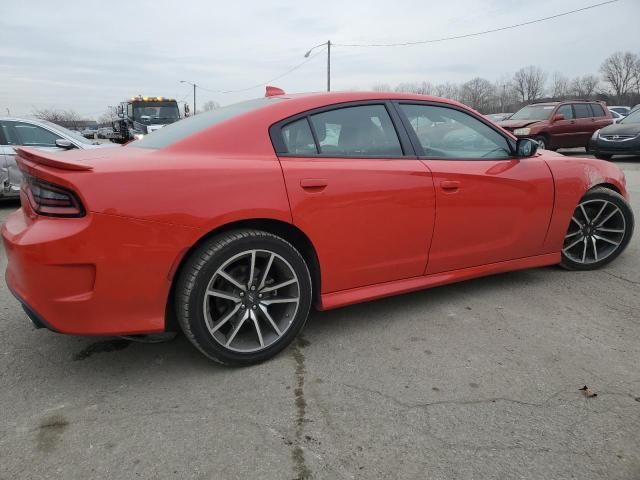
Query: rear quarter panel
x=573 y=177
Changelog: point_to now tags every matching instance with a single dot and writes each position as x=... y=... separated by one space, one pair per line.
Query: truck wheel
x=243 y=296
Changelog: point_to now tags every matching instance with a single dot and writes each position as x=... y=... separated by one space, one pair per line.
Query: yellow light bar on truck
x=151 y=99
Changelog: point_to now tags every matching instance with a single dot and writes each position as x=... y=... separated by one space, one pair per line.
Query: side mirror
x=66 y=144
x=525 y=147
x=557 y=116
x=120 y=111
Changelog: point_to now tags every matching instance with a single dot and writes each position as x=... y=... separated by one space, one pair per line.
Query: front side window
x=565 y=110
x=582 y=110
x=34 y=136
x=448 y=133
x=361 y=131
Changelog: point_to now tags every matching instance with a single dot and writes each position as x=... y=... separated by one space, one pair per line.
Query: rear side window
x=298 y=138
x=361 y=131
x=582 y=110
x=597 y=110
x=565 y=110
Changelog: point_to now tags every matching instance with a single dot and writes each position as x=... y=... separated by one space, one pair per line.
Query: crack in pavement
x=301 y=470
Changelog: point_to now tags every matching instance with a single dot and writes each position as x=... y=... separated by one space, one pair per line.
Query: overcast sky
x=86 y=55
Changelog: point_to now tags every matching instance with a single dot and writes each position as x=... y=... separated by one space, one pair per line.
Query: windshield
x=70 y=133
x=150 y=113
x=633 y=117
x=533 y=112
x=185 y=128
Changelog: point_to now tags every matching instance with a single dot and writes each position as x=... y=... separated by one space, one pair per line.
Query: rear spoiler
x=50 y=159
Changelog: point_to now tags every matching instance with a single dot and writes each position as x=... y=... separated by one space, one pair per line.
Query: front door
x=491 y=206
x=366 y=206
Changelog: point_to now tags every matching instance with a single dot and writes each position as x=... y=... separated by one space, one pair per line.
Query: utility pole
x=328 y=44
x=194 y=94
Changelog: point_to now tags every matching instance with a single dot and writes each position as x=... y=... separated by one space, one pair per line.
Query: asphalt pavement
x=478 y=380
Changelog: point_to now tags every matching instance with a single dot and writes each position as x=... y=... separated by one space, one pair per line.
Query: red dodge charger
x=232 y=223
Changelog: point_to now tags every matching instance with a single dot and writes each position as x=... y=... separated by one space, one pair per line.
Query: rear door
x=601 y=117
x=585 y=125
x=358 y=191
x=491 y=205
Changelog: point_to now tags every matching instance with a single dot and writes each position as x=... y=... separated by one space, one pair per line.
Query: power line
x=475 y=34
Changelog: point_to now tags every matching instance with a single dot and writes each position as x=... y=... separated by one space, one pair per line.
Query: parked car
x=559 y=124
x=622 y=110
x=232 y=223
x=104 y=132
x=498 y=117
x=89 y=133
x=615 y=116
x=620 y=139
x=41 y=134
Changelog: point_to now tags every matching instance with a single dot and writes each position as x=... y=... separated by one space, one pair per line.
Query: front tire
x=599 y=230
x=602 y=156
x=243 y=296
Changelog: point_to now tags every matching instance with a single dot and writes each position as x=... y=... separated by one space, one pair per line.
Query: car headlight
x=138 y=136
x=521 y=131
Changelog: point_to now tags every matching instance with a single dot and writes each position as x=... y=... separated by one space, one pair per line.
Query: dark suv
x=559 y=124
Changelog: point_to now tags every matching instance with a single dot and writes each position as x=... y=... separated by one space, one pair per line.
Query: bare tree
x=620 y=71
x=529 y=82
x=478 y=93
x=68 y=118
x=506 y=97
x=559 y=86
x=424 y=88
x=585 y=86
x=109 y=116
x=447 y=90
x=210 y=105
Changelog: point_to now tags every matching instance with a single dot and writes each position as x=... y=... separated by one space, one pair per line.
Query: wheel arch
x=285 y=230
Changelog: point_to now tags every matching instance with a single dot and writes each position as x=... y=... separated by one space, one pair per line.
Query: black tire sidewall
x=248 y=240
x=621 y=203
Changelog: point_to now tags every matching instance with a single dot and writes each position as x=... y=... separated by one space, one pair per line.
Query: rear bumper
x=96 y=275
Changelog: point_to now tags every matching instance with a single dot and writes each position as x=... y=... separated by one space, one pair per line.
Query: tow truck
x=141 y=115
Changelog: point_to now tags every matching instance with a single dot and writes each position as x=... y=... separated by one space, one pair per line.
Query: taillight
x=51 y=200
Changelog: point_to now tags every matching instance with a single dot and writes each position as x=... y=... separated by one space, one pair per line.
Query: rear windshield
x=185 y=128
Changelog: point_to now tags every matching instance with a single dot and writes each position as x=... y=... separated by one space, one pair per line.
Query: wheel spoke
x=225 y=319
x=252 y=270
x=584 y=251
x=584 y=213
x=607 y=218
x=610 y=230
x=604 y=205
x=569 y=235
x=606 y=240
x=231 y=280
x=573 y=219
x=271 y=301
x=595 y=249
x=254 y=318
x=574 y=244
x=280 y=285
x=266 y=271
x=237 y=329
x=265 y=312
x=221 y=294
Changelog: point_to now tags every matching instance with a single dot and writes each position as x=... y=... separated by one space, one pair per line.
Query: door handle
x=314 y=183
x=450 y=185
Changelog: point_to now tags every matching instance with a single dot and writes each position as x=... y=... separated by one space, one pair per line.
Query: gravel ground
x=475 y=380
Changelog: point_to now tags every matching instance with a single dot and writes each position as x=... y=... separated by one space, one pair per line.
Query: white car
x=41 y=134
x=615 y=115
x=620 y=109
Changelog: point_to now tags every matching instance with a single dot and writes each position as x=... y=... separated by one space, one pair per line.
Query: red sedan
x=231 y=224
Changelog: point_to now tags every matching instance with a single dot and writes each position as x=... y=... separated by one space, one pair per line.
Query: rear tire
x=243 y=296
x=543 y=143
x=599 y=230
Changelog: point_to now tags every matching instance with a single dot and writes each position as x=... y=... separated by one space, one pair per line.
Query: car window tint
x=449 y=133
x=298 y=138
x=32 y=135
x=8 y=135
x=565 y=110
x=582 y=110
x=359 y=131
x=597 y=110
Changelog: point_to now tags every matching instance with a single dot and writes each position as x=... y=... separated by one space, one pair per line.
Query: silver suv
x=41 y=134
